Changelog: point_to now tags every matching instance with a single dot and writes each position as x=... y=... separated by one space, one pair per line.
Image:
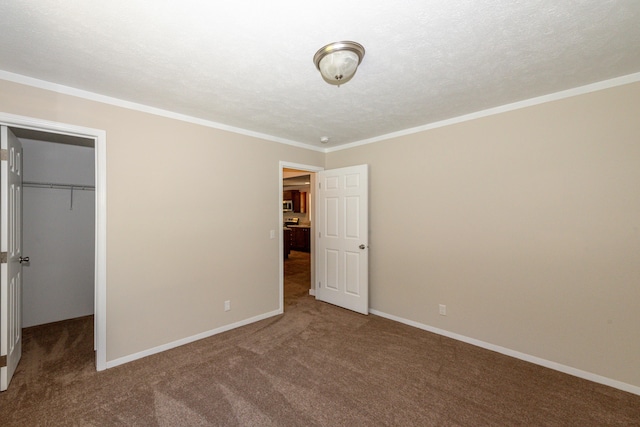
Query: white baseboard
x=178 y=343
x=518 y=355
x=312 y=292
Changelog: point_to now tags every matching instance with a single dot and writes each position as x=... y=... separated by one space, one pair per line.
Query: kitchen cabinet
x=286 y=242
x=299 y=199
x=303 y=201
x=294 y=196
x=301 y=239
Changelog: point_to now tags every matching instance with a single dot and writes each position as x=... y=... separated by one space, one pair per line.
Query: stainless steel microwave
x=287 y=206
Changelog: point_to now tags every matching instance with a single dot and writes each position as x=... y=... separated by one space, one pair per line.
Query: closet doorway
x=58 y=227
x=68 y=134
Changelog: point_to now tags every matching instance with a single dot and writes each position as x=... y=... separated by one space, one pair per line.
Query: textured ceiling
x=248 y=64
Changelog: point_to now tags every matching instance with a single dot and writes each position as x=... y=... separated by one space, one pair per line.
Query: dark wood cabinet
x=299 y=199
x=301 y=239
x=303 y=201
x=286 y=240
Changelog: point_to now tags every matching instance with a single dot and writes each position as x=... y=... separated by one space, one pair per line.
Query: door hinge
x=4 y=154
x=3 y=257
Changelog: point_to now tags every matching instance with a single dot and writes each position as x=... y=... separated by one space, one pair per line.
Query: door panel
x=11 y=244
x=331 y=260
x=352 y=219
x=352 y=269
x=331 y=217
x=342 y=240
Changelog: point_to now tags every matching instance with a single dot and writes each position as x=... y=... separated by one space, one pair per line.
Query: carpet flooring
x=315 y=365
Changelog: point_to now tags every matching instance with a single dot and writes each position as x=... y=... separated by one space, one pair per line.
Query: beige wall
x=525 y=224
x=182 y=223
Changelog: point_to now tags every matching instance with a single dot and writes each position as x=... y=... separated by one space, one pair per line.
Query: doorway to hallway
x=297 y=226
x=297 y=240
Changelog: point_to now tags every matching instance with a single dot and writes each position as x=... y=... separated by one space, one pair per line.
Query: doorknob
x=362 y=246
x=24 y=259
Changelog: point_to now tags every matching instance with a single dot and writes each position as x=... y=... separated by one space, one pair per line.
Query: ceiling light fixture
x=338 y=62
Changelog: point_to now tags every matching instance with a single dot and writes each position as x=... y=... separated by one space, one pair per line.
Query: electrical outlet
x=443 y=309
x=272 y=234
x=227 y=305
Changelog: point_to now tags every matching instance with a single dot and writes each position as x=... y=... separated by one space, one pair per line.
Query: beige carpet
x=316 y=365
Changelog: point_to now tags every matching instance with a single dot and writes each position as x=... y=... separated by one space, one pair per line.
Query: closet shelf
x=58 y=185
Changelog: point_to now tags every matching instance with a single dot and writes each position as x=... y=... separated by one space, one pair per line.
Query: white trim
x=66 y=90
x=188 y=340
x=582 y=90
x=100 y=291
x=299 y=166
x=289 y=165
x=312 y=292
x=518 y=355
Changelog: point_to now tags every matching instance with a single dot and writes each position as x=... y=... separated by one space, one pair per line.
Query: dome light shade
x=338 y=62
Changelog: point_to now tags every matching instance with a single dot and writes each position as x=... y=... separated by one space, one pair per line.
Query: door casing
x=100 y=276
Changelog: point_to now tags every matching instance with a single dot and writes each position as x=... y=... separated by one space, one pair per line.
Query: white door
x=343 y=238
x=11 y=248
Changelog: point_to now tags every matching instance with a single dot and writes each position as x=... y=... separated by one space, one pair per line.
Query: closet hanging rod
x=57 y=185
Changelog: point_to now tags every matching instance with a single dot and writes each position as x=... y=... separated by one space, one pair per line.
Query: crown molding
x=581 y=90
x=67 y=90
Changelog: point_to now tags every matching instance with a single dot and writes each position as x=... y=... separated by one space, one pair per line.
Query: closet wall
x=58 y=233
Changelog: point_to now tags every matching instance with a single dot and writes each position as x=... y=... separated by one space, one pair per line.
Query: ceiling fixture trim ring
x=339 y=61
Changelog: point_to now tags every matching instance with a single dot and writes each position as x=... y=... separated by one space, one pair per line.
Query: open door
x=11 y=254
x=343 y=239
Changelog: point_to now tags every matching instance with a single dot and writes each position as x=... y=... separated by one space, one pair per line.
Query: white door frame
x=100 y=277
x=288 y=165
